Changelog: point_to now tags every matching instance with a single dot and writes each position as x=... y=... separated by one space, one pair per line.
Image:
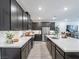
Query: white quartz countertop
x=66 y=44
x=18 y=44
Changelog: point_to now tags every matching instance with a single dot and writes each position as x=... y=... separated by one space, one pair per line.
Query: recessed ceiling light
x=40 y=8
x=65 y=8
x=39 y=18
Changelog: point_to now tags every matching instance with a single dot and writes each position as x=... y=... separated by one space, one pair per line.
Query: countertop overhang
x=18 y=44
x=66 y=44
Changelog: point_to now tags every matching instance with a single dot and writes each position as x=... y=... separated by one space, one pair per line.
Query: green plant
x=56 y=30
x=9 y=35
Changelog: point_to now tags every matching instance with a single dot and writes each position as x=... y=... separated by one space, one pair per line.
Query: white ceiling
x=51 y=8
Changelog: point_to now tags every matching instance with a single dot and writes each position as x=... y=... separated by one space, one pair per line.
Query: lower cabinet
x=38 y=37
x=24 y=51
x=49 y=46
x=58 y=55
x=30 y=46
x=53 y=51
x=10 y=53
x=16 y=53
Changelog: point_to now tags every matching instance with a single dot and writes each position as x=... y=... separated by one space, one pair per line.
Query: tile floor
x=39 y=51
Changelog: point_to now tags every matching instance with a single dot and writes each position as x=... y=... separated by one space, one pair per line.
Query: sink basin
x=54 y=37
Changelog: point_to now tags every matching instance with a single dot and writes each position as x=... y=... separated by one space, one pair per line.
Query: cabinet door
x=24 y=53
x=10 y=53
x=49 y=46
x=58 y=55
x=0 y=53
x=6 y=20
x=29 y=21
x=29 y=43
x=1 y=19
x=14 y=15
x=36 y=25
x=38 y=37
x=24 y=21
x=27 y=51
x=45 y=24
x=3 y=54
x=53 y=52
x=52 y=25
x=4 y=14
x=19 y=23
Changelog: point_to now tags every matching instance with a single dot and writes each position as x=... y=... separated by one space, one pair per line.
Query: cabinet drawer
x=60 y=51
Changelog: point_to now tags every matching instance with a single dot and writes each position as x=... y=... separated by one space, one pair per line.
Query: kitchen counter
x=66 y=44
x=15 y=50
x=18 y=44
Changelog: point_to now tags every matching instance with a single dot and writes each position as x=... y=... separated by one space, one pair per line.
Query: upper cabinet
x=24 y=21
x=39 y=25
x=13 y=17
x=29 y=21
x=4 y=15
x=36 y=25
x=45 y=24
x=16 y=16
x=52 y=25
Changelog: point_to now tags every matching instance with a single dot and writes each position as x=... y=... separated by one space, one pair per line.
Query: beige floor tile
x=39 y=51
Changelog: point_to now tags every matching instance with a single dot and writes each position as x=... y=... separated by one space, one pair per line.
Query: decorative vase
x=9 y=41
x=9 y=37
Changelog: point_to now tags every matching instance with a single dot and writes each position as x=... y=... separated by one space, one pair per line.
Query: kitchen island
x=16 y=50
x=63 y=48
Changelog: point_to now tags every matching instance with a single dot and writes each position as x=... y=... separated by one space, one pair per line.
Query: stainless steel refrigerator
x=45 y=31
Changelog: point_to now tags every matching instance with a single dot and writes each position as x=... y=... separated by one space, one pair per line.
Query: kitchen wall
x=62 y=25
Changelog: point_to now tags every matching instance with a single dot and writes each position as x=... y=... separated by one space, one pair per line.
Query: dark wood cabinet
x=29 y=23
x=38 y=37
x=29 y=43
x=58 y=55
x=45 y=24
x=36 y=25
x=12 y=16
x=8 y=53
x=16 y=16
x=24 y=51
x=53 y=50
x=16 y=53
x=4 y=15
x=24 y=21
x=52 y=25
x=20 y=17
x=49 y=46
x=39 y=25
